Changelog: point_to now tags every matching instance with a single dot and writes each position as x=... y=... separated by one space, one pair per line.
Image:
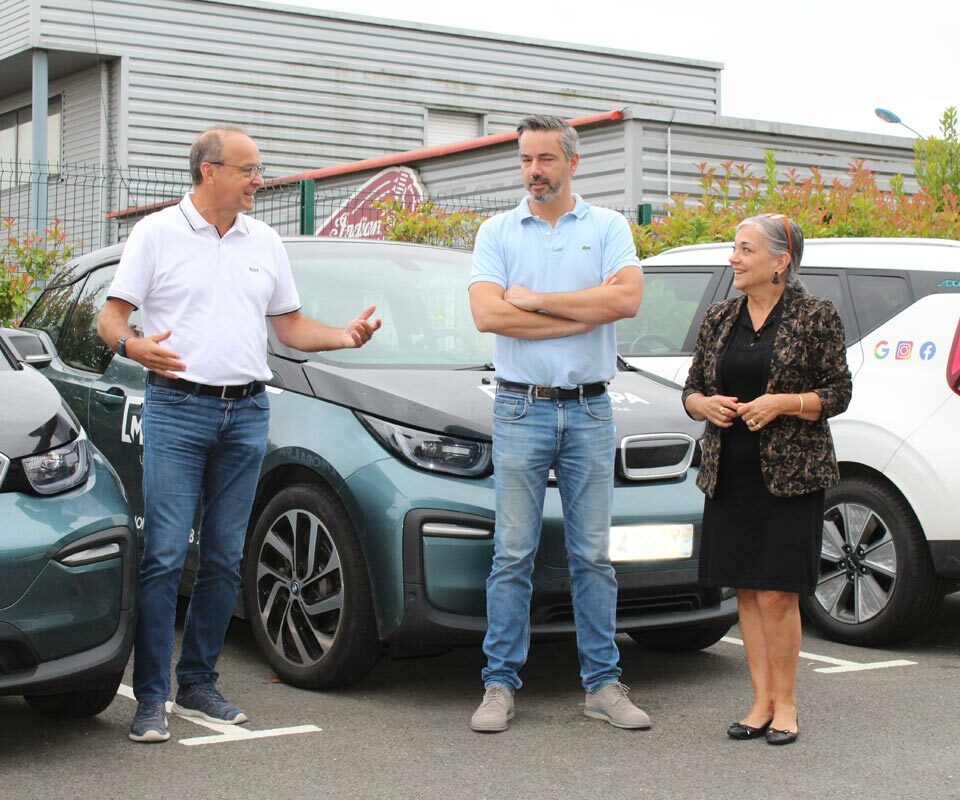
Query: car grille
x=655 y=456
x=629 y=606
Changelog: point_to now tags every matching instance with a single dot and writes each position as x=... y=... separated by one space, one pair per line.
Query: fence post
x=308 y=207
x=645 y=213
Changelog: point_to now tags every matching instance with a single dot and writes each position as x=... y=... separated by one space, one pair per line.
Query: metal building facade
x=317 y=88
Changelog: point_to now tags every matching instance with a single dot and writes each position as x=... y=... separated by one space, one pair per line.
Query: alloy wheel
x=299 y=587
x=858 y=563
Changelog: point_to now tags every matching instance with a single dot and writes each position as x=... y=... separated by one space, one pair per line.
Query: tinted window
x=81 y=347
x=829 y=286
x=421 y=294
x=671 y=301
x=877 y=298
x=50 y=312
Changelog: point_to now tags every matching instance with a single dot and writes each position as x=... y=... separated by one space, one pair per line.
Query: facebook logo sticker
x=927 y=351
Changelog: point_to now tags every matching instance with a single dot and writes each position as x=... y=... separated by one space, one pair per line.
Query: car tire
x=307 y=591
x=877 y=585
x=76 y=704
x=681 y=640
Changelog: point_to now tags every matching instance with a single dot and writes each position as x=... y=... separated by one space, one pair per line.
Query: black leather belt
x=554 y=392
x=237 y=392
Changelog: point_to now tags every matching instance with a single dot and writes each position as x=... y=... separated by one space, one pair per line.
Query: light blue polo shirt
x=588 y=245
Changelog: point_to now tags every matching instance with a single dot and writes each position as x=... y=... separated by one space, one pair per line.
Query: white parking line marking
x=225 y=733
x=840 y=665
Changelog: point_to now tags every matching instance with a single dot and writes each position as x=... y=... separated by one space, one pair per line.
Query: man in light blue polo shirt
x=550 y=278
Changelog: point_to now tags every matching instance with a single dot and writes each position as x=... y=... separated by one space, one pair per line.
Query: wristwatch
x=122 y=346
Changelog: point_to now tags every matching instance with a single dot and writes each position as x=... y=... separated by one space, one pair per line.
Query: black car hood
x=32 y=418
x=460 y=403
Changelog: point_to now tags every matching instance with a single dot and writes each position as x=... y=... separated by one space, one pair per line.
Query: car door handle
x=111 y=397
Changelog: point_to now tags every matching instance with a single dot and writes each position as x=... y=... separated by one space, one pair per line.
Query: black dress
x=751 y=538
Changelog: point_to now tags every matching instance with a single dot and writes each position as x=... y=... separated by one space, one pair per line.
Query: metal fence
x=98 y=205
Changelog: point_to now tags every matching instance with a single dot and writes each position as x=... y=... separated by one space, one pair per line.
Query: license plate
x=650 y=542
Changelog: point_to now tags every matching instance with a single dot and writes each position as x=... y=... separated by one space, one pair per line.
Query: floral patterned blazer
x=809 y=354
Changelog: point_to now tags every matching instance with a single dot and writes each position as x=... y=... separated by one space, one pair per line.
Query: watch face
x=122 y=347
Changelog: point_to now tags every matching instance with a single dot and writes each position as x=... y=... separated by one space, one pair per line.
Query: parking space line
x=224 y=733
x=839 y=664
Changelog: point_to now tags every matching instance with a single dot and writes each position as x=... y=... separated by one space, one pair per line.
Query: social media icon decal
x=880 y=349
x=904 y=350
x=927 y=351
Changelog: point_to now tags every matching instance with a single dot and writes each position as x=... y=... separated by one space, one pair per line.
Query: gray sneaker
x=149 y=723
x=612 y=704
x=495 y=712
x=204 y=701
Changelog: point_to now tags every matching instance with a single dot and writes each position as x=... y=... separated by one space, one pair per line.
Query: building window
x=444 y=127
x=16 y=132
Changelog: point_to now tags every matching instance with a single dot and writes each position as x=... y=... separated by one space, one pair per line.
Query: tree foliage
x=25 y=261
x=938 y=161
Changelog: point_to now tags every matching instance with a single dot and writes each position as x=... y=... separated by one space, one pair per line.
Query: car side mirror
x=29 y=346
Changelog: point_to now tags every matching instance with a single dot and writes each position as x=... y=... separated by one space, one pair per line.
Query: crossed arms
x=525 y=314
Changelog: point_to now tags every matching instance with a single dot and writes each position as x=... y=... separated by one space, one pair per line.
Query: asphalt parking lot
x=869 y=728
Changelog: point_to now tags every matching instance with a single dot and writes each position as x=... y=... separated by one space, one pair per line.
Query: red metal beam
x=381 y=162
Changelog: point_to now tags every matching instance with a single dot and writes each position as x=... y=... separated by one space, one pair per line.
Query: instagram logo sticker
x=904 y=350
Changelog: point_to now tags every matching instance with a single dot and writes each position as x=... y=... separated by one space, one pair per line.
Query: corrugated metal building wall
x=317 y=89
x=14 y=27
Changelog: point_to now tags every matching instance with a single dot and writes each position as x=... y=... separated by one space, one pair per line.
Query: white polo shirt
x=213 y=293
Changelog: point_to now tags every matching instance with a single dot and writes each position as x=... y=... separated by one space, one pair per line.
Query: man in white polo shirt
x=205 y=277
x=550 y=278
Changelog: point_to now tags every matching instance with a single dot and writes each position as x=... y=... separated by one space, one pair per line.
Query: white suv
x=891 y=534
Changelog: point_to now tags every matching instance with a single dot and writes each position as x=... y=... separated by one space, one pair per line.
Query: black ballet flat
x=740 y=731
x=776 y=736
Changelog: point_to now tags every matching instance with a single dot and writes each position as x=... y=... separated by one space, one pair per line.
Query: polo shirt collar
x=580 y=208
x=197 y=221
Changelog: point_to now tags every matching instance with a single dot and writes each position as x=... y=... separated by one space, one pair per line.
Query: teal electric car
x=67 y=552
x=373 y=521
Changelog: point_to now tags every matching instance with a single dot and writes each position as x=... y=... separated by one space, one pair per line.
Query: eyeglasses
x=248 y=170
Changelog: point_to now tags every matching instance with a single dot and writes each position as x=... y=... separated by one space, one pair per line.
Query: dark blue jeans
x=194 y=447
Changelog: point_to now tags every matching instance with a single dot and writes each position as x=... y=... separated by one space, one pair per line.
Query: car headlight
x=59 y=469
x=436 y=452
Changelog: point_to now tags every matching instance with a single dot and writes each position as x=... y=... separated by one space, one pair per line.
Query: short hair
x=569 y=140
x=209 y=147
x=773 y=228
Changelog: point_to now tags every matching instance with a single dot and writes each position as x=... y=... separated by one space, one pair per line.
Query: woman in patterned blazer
x=769 y=368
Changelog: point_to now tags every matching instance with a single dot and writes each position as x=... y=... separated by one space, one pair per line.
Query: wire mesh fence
x=98 y=206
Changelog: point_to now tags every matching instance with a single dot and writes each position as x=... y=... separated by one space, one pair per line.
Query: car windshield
x=420 y=292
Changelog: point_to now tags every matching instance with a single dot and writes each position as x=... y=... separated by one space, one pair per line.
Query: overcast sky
x=815 y=62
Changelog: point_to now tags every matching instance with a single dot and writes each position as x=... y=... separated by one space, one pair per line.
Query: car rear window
x=877 y=298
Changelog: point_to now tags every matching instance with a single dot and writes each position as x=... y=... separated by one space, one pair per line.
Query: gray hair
x=569 y=141
x=209 y=147
x=773 y=228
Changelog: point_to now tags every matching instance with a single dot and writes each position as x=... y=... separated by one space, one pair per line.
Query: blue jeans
x=194 y=447
x=576 y=439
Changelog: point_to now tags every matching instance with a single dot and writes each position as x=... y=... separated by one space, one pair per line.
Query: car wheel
x=679 y=640
x=76 y=704
x=877 y=584
x=307 y=591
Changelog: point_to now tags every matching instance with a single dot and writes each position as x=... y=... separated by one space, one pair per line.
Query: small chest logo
x=254 y=269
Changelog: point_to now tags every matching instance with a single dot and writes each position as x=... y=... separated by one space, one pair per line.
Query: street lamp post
x=888 y=116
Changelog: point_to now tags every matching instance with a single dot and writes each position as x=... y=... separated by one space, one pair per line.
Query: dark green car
x=373 y=520
x=67 y=552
